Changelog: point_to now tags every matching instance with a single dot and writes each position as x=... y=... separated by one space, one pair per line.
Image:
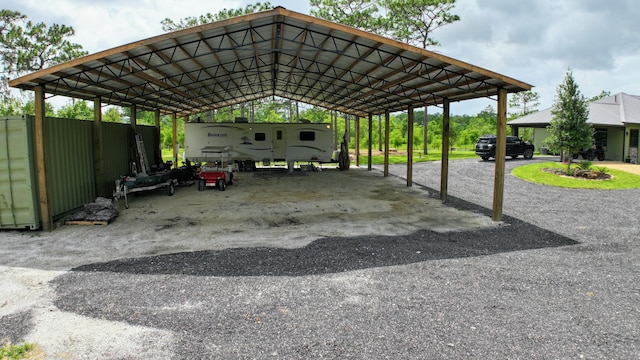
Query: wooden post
x=410 y=146
x=43 y=191
x=370 y=141
x=424 y=135
x=357 y=126
x=386 y=143
x=379 y=132
x=98 y=148
x=158 y=158
x=444 y=167
x=501 y=150
x=174 y=135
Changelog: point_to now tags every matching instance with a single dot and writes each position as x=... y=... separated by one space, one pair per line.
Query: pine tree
x=569 y=131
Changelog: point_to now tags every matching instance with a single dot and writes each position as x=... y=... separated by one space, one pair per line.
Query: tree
x=526 y=102
x=413 y=21
x=76 y=109
x=603 y=94
x=361 y=14
x=568 y=130
x=190 y=21
x=28 y=46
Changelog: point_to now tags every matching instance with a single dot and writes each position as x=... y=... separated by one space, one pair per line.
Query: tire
x=575 y=156
x=230 y=179
x=514 y=156
x=201 y=184
x=528 y=154
x=590 y=156
x=170 y=189
x=485 y=158
x=221 y=184
x=601 y=156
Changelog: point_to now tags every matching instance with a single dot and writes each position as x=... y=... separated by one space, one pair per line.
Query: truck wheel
x=528 y=154
x=485 y=158
x=600 y=156
x=221 y=185
x=201 y=184
x=170 y=189
x=514 y=156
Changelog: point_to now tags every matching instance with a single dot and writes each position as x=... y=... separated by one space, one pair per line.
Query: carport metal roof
x=271 y=53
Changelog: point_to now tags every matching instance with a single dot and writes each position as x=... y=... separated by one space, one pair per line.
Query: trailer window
x=260 y=137
x=307 y=136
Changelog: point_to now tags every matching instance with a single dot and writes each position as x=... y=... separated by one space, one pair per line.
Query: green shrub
x=585 y=165
x=16 y=352
x=604 y=170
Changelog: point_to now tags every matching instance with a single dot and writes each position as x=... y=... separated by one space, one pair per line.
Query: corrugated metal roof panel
x=262 y=54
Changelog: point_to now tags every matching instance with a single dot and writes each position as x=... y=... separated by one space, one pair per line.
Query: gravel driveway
x=559 y=279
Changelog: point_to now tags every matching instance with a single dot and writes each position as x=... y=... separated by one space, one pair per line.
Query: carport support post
x=370 y=141
x=386 y=143
x=424 y=133
x=410 y=145
x=43 y=192
x=501 y=150
x=444 y=166
x=158 y=158
x=357 y=126
x=98 y=147
x=174 y=135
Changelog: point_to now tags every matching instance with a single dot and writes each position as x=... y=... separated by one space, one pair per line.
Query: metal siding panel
x=116 y=152
x=18 y=189
x=69 y=158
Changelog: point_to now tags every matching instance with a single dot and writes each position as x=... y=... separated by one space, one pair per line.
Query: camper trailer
x=258 y=142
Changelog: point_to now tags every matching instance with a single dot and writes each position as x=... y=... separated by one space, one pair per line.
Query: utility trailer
x=255 y=142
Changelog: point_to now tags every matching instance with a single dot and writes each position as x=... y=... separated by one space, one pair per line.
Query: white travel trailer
x=266 y=142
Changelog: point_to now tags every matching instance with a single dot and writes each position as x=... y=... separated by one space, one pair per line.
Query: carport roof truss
x=271 y=53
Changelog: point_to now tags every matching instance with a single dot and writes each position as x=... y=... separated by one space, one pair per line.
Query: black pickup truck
x=486 y=147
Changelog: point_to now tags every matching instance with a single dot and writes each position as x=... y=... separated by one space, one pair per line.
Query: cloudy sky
x=534 y=41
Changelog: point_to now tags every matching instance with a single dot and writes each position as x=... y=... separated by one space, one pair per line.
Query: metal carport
x=271 y=53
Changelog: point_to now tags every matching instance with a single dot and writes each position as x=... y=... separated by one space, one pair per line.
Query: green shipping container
x=18 y=185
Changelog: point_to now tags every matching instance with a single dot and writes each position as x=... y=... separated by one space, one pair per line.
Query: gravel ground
x=558 y=279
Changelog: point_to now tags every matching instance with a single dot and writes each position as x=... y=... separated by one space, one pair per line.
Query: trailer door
x=279 y=144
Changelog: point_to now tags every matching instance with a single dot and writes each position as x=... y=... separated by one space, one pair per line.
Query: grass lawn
x=418 y=156
x=534 y=173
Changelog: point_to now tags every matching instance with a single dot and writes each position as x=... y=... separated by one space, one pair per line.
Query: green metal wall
x=70 y=165
x=116 y=140
x=18 y=184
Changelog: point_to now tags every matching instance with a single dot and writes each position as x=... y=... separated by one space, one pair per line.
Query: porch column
x=444 y=166
x=501 y=150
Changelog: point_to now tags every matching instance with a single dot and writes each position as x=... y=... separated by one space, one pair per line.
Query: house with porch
x=616 y=120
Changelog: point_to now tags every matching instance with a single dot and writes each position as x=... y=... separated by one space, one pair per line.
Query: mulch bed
x=580 y=174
